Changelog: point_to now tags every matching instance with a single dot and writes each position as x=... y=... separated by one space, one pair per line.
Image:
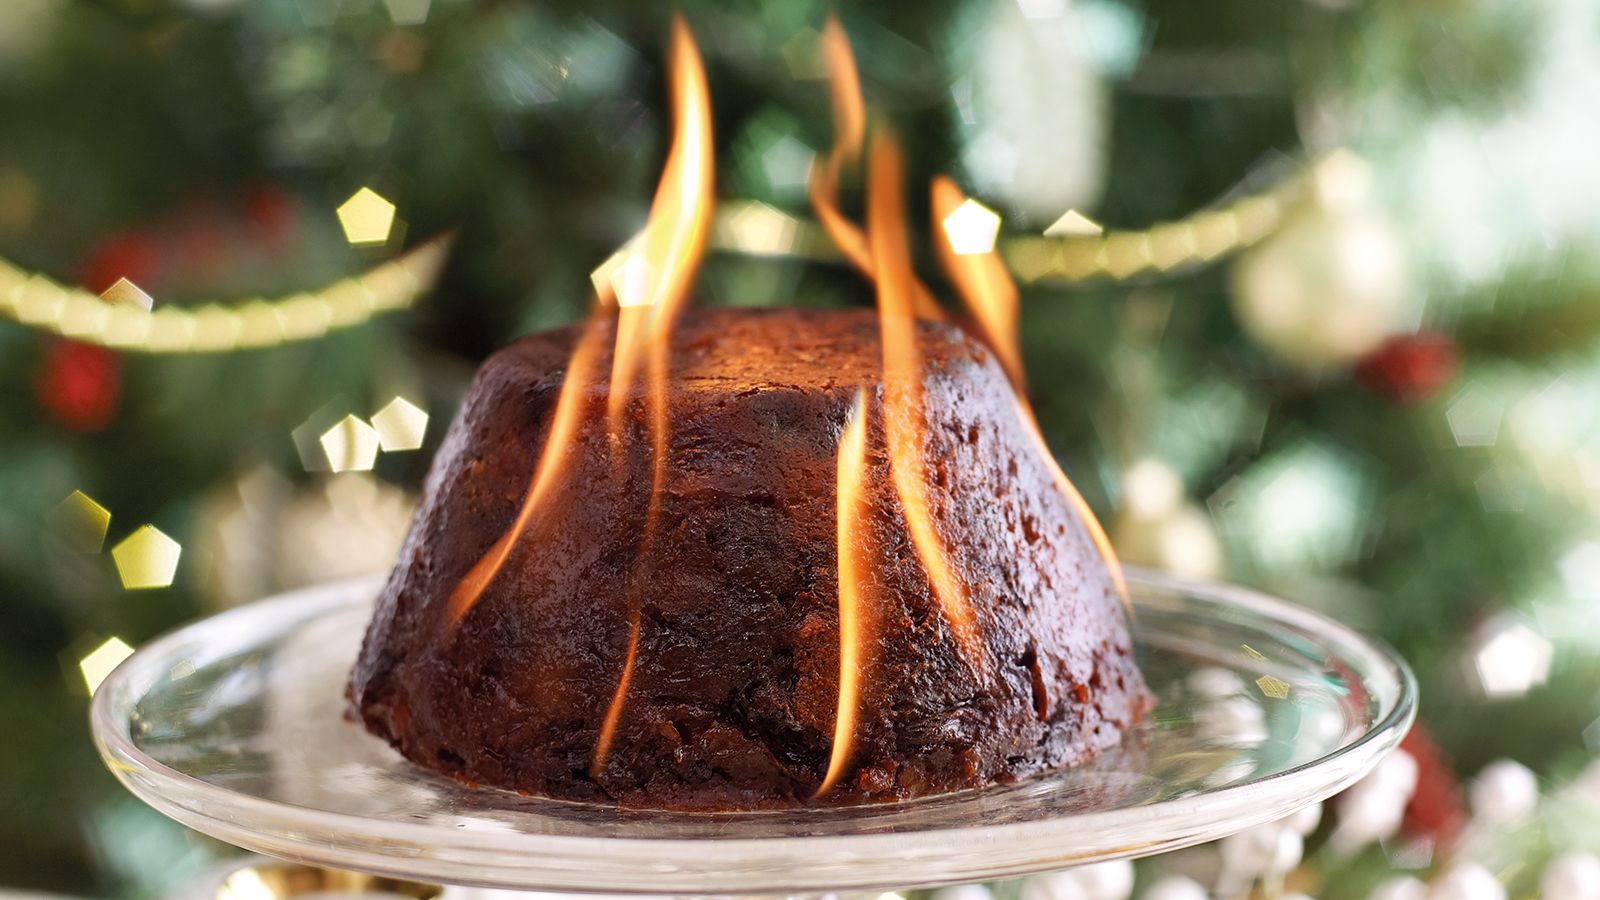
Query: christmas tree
x=1306 y=305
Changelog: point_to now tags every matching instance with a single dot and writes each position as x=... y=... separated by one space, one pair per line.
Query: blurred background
x=1309 y=303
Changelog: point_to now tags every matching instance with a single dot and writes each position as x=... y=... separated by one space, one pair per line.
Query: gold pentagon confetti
x=367 y=218
x=972 y=228
x=351 y=445
x=126 y=293
x=400 y=425
x=1252 y=652
x=80 y=522
x=146 y=559
x=408 y=12
x=1074 y=224
x=1276 y=688
x=101 y=660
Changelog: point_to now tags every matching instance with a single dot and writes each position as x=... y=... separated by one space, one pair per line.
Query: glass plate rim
x=161 y=786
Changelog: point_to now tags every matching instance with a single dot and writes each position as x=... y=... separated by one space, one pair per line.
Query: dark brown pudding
x=735 y=682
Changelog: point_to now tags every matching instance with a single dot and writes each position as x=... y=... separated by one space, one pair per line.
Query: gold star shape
x=101 y=660
x=351 y=445
x=80 y=522
x=1074 y=224
x=367 y=218
x=972 y=228
x=146 y=559
x=126 y=293
x=400 y=425
x=1276 y=688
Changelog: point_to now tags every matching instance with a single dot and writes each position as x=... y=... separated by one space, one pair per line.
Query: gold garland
x=42 y=303
x=742 y=226
x=1196 y=240
x=750 y=227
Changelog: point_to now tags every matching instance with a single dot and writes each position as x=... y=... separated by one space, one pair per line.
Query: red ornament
x=79 y=384
x=1410 y=368
x=1436 y=810
x=271 y=211
x=136 y=256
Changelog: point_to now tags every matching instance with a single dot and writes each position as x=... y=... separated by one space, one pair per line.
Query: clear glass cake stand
x=234 y=726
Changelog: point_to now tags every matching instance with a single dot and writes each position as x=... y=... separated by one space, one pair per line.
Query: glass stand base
x=235 y=726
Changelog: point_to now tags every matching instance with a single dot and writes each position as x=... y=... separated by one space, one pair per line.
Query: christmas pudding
x=746 y=559
x=700 y=666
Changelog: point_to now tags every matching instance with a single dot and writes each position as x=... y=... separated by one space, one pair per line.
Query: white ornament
x=1505 y=792
x=963 y=892
x=1332 y=283
x=1287 y=854
x=1151 y=490
x=1468 y=881
x=1183 y=542
x=1373 y=809
x=1397 y=772
x=1263 y=850
x=1235 y=721
x=1214 y=683
x=1106 y=881
x=1572 y=876
x=1175 y=887
x=1055 y=886
x=1035 y=110
x=1402 y=887
x=1305 y=820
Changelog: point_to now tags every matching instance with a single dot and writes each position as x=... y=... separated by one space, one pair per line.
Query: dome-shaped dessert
x=687 y=654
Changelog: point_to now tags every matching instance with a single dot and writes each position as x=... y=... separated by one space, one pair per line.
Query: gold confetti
x=1276 y=688
x=757 y=229
x=972 y=228
x=101 y=660
x=1252 y=652
x=408 y=12
x=351 y=445
x=1074 y=224
x=146 y=559
x=367 y=218
x=80 y=522
x=126 y=293
x=400 y=425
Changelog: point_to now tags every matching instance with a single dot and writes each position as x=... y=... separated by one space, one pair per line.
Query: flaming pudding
x=752 y=558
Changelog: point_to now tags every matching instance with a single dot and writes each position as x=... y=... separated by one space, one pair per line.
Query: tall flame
x=852 y=576
x=983 y=282
x=662 y=271
x=656 y=270
x=850 y=130
x=986 y=288
x=904 y=422
x=546 y=474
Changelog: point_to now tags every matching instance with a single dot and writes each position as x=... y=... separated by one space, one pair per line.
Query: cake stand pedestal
x=234 y=726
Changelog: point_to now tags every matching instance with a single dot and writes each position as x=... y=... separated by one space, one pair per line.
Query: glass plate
x=235 y=726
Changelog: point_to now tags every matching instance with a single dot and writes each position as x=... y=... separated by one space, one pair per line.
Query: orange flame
x=656 y=271
x=653 y=294
x=983 y=282
x=986 y=288
x=904 y=423
x=547 y=472
x=852 y=575
x=850 y=129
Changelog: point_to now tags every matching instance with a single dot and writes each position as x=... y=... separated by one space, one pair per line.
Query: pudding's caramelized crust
x=733 y=695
